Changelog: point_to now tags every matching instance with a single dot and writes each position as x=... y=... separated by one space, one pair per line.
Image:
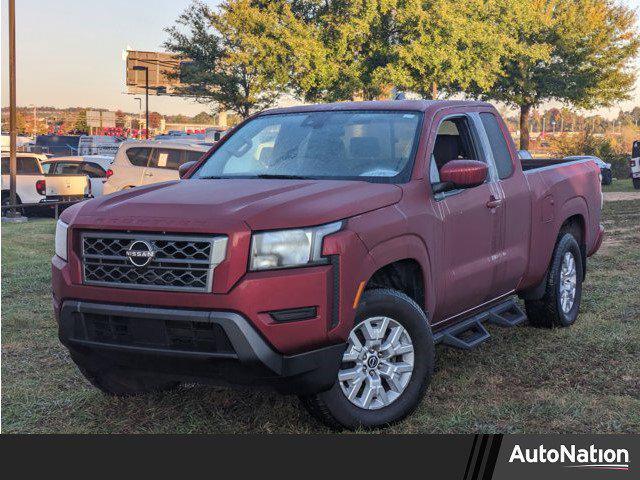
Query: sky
x=69 y=52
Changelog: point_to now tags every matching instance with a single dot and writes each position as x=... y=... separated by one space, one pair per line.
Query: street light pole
x=146 y=95
x=139 y=111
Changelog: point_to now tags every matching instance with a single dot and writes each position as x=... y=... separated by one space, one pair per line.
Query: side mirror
x=464 y=173
x=185 y=167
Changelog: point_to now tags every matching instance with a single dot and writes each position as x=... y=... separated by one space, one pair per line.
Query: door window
x=93 y=170
x=138 y=156
x=454 y=141
x=169 y=158
x=499 y=147
x=193 y=156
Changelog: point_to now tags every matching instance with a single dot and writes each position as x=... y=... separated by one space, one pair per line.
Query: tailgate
x=67 y=185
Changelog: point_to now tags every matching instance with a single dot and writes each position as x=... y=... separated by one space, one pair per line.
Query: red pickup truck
x=325 y=250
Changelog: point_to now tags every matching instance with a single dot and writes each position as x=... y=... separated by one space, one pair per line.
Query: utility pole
x=12 y=214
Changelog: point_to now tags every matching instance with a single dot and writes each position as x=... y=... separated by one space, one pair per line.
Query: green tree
x=203 y=118
x=21 y=122
x=361 y=49
x=80 y=124
x=237 y=55
x=576 y=51
x=445 y=46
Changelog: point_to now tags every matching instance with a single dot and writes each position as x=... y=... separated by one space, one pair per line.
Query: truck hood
x=221 y=205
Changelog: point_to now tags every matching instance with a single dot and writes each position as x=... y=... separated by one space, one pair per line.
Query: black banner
x=439 y=457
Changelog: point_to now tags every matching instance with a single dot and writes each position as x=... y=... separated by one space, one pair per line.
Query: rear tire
x=607 y=177
x=561 y=301
x=636 y=183
x=6 y=200
x=405 y=339
x=118 y=381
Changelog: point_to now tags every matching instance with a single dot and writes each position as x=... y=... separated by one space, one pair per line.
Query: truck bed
x=59 y=187
x=536 y=163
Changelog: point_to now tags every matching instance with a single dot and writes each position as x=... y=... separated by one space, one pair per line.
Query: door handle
x=148 y=174
x=494 y=202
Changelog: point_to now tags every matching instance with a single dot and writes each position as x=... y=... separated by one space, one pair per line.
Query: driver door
x=471 y=227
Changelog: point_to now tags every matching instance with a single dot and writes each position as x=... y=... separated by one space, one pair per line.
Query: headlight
x=61 y=239
x=290 y=248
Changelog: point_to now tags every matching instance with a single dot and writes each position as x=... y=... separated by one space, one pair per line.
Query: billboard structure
x=100 y=119
x=93 y=119
x=164 y=72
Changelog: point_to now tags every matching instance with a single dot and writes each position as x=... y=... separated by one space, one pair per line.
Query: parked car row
x=151 y=161
x=33 y=185
x=43 y=180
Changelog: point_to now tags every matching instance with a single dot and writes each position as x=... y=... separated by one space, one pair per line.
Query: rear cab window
x=66 y=168
x=499 y=147
x=26 y=166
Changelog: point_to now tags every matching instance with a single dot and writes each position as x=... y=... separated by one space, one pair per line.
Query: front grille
x=179 y=263
x=179 y=335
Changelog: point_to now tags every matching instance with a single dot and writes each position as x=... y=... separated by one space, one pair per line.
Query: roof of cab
x=402 y=105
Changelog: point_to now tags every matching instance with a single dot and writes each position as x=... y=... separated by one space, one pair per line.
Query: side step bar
x=471 y=332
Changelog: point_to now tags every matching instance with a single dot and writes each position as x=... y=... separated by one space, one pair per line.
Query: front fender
x=406 y=247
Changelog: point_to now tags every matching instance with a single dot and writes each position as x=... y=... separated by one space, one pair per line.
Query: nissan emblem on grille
x=151 y=261
x=140 y=253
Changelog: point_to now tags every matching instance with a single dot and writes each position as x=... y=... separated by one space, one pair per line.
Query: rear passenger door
x=163 y=165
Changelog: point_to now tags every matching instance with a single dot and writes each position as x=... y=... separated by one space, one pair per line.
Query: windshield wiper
x=259 y=175
x=281 y=177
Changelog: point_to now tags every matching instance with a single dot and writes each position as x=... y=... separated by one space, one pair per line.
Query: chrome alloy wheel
x=568 y=281
x=377 y=364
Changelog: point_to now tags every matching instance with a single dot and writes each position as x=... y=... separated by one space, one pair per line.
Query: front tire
x=385 y=369
x=561 y=301
x=636 y=183
x=607 y=177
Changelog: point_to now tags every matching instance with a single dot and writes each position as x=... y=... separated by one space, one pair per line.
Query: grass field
x=582 y=379
x=620 y=185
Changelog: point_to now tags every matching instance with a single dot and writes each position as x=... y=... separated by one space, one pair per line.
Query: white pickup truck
x=33 y=186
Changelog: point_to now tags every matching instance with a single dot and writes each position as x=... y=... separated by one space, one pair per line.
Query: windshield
x=356 y=145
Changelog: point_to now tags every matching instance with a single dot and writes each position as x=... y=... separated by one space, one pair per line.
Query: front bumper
x=193 y=346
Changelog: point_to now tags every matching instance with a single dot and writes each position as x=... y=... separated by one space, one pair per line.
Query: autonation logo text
x=592 y=457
